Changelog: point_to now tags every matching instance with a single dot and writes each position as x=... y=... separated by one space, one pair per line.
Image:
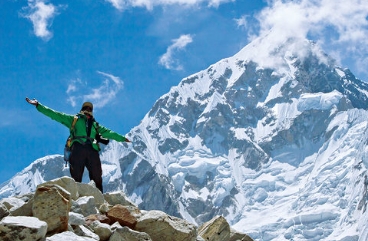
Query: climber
x=84 y=146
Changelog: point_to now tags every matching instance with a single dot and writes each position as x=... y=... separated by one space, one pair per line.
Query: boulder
x=68 y=184
x=127 y=234
x=199 y=238
x=52 y=204
x=97 y=217
x=87 y=205
x=115 y=226
x=125 y=215
x=81 y=230
x=104 y=208
x=103 y=230
x=112 y=218
x=26 y=208
x=12 y=204
x=68 y=235
x=162 y=227
x=90 y=190
x=217 y=229
x=236 y=236
x=22 y=228
x=114 y=198
x=76 y=219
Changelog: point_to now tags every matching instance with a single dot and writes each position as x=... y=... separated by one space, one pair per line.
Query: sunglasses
x=87 y=108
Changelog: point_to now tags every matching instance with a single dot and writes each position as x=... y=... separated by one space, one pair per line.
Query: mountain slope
x=273 y=138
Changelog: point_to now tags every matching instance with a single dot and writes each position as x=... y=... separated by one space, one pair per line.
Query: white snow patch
x=319 y=101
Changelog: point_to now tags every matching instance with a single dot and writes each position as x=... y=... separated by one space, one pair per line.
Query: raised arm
x=32 y=102
x=60 y=117
x=109 y=134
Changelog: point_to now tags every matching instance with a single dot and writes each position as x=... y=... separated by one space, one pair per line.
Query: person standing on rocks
x=85 y=134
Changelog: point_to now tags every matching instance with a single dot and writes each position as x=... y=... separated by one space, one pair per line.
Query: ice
x=319 y=101
x=311 y=218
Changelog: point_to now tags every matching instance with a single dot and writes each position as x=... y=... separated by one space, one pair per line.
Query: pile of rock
x=62 y=209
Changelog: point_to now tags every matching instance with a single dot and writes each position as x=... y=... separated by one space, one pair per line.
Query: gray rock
x=217 y=229
x=104 y=208
x=22 y=228
x=199 y=238
x=127 y=234
x=114 y=198
x=68 y=236
x=12 y=203
x=90 y=190
x=103 y=230
x=115 y=226
x=237 y=236
x=52 y=203
x=26 y=208
x=76 y=219
x=154 y=222
x=87 y=205
x=81 y=230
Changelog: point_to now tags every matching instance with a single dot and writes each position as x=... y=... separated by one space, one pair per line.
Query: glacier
x=273 y=138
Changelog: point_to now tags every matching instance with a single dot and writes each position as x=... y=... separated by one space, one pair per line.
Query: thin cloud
x=168 y=59
x=78 y=91
x=242 y=22
x=118 y=4
x=73 y=85
x=335 y=24
x=121 y=5
x=41 y=15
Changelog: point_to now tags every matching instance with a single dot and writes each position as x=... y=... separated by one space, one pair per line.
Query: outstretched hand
x=32 y=102
x=127 y=140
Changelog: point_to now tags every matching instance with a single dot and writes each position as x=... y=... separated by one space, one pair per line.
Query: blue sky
x=124 y=54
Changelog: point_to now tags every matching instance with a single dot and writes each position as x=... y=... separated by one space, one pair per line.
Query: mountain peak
x=272 y=53
x=276 y=130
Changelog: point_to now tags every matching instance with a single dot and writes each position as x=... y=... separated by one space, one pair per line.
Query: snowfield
x=274 y=139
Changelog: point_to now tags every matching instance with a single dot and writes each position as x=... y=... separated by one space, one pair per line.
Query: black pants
x=85 y=156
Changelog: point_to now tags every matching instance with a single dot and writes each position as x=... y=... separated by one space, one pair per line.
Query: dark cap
x=89 y=104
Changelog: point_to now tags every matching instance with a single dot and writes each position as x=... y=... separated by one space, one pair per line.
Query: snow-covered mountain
x=273 y=138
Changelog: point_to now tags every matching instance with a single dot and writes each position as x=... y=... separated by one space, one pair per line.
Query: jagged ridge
x=277 y=130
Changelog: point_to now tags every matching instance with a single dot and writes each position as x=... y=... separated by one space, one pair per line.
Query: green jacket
x=80 y=126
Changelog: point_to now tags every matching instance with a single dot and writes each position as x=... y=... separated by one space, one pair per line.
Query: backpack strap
x=71 y=136
x=69 y=141
x=74 y=137
x=73 y=124
x=92 y=140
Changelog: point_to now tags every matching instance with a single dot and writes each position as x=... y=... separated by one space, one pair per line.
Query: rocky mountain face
x=62 y=209
x=273 y=139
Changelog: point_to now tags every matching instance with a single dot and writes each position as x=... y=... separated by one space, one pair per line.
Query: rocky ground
x=62 y=209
